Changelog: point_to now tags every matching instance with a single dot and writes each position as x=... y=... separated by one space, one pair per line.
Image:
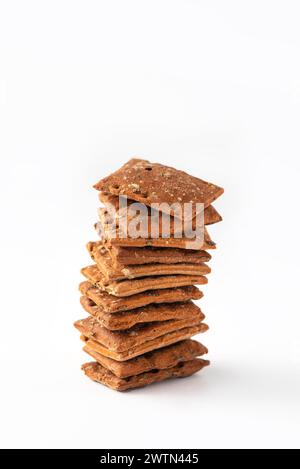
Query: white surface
x=209 y=87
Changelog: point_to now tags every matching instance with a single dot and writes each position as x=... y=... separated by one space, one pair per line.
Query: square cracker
x=115 y=236
x=139 y=285
x=112 y=208
x=101 y=375
x=149 y=345
x=122 y=341
x=113 y=304
x=159 y=359
x=114 y=271
x=151 y=313
x=151 y=183
x=149 y=255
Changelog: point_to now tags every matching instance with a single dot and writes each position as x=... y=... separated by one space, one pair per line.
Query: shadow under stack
x=139 y=290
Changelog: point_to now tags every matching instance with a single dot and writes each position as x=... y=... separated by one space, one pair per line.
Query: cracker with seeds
x=151 y=313
x=113 y=271
x=147 y=346
x=134 y=286
x=125 y=256
x=152 y=183
x=98 y=373
x=160 y=359
x=113 y=304
x=121 y=341
x=114 y=236
x=155 y=220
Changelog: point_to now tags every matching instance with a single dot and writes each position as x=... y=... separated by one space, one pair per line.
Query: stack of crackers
x=139 y=290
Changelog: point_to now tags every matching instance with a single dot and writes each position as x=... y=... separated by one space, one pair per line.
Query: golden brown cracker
x=115 y=209
x=112 y=304
x=114 y=236
x=101 y=375
x=151 y=183
x=151 y=313
x=139 y=285
x=125 y=256
x=121 y=341
x=149 y=345
x=160 y=359
x=115 y=271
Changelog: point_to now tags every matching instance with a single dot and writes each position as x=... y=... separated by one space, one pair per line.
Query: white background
x=209 y=87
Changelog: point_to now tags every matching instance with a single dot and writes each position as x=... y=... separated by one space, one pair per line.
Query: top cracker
x=150 y=183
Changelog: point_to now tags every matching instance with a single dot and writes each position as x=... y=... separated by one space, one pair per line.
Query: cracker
x=113 y=304
x=151 y=313
x=125 y=256
x=104 y=229
x=121 y=341
x=139 y=285
x=115 y=271
x=211 y=216
x=149 y=345
x=160 y=359
x=151 y=183
x=101 y=375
